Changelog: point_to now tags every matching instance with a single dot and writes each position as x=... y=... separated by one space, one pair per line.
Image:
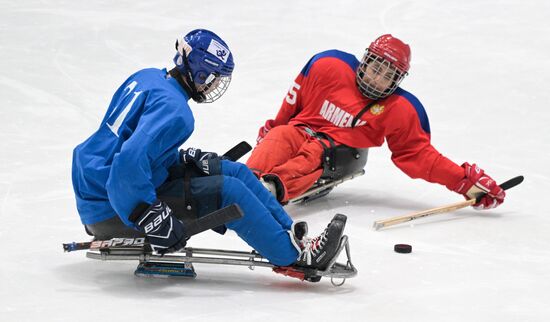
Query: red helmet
x=394 y=50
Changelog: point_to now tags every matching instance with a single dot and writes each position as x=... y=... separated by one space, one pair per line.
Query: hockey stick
x=439 y=210
x=236 y=152
x=209 y=221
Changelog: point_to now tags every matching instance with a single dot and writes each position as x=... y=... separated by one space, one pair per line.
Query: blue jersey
x=123 y=162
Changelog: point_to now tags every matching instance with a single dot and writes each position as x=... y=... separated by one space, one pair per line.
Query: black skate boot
x=317 y=252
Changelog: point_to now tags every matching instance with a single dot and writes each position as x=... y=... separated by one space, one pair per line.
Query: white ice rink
x=481 y=69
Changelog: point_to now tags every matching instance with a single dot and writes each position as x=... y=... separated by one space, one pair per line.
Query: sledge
x=180 y=264
x=323 y=187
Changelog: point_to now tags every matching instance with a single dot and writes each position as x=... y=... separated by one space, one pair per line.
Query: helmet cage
x=213 y=88
x=375 y=70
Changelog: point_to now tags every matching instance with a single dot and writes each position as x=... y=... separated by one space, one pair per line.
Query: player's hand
x=165 y=233
x=477 y=182
x=264 y=129
x=195 y=155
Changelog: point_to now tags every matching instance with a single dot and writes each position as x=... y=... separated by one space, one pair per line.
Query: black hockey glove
x=192 y=155
x=207 y=163
x=165 y=233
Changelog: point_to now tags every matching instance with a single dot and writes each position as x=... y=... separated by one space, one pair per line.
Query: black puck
x=402 y=248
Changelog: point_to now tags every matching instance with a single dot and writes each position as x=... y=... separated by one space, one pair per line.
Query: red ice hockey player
x=357 y=104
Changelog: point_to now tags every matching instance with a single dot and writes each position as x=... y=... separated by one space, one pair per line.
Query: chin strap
x=191 y=90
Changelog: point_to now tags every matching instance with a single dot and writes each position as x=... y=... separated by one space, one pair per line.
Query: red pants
x=292 y=155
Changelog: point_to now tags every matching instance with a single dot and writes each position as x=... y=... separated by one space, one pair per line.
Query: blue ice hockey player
x=130 y=180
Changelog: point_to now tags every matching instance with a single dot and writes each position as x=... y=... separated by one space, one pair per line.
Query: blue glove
x=165 y=233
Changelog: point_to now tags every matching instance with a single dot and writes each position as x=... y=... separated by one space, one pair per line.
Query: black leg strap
x=190 y=203
x=328 y=151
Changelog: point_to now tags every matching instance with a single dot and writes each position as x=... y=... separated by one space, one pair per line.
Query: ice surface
x=479 y=67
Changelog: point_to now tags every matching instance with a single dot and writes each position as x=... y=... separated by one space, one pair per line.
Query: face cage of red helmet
x=382 y=68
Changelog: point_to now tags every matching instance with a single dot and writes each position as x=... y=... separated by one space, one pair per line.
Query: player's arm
x=289 y=108
x=414 y=154
x=160 y=130
x=291 y=103
x=130 y=188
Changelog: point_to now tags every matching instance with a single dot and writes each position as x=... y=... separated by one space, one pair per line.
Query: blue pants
x=265 y=224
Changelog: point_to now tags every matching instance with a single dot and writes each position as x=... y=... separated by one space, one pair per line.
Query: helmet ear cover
x=181 y=60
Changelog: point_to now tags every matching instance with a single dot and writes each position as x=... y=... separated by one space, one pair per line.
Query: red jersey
x=326 y=98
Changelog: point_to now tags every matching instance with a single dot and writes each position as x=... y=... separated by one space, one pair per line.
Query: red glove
x=269 y=124
x=476 y=182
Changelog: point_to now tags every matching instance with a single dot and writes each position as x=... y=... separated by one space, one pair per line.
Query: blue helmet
x=206 y=63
